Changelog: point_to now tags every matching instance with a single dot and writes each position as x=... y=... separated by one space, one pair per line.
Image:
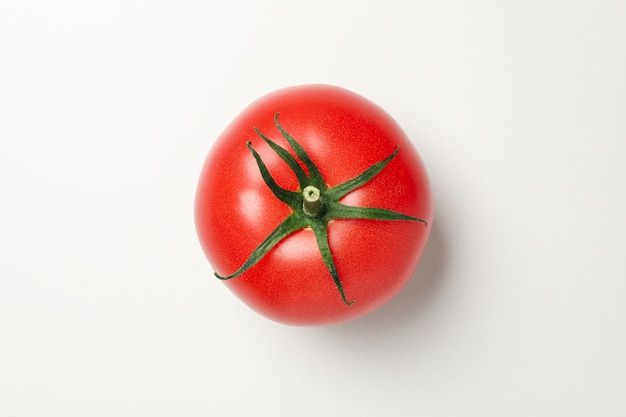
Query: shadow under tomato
x=398 y=314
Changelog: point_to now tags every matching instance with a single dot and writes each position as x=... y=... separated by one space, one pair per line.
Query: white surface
x=108 y=307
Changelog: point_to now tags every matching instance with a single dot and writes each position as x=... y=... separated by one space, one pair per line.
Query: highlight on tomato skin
x=313 y=206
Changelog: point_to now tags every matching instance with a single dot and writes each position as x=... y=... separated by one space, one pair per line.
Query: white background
x=108 y=306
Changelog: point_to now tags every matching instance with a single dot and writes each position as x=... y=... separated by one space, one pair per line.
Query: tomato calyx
x=315 y=205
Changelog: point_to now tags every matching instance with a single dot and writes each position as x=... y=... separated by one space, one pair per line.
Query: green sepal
x=291 y=198
x=340 y=211
x=303 y=180
x=295 y=221
x=341 y=190
x=321 y=234
x=314 y=173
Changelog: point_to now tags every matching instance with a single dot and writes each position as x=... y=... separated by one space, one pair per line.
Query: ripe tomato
x=313 y=206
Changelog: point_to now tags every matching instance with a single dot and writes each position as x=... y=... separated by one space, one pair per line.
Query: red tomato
x=356 y=241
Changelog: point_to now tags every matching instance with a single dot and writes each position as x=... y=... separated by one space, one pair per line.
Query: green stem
x=312 y=204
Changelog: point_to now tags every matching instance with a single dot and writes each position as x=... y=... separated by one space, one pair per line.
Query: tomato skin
x=344 y=134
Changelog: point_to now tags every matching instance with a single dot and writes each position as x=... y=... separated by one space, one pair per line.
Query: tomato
x=313 y=206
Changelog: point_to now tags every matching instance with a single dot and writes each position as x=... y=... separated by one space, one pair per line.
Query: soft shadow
x=390 y=322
